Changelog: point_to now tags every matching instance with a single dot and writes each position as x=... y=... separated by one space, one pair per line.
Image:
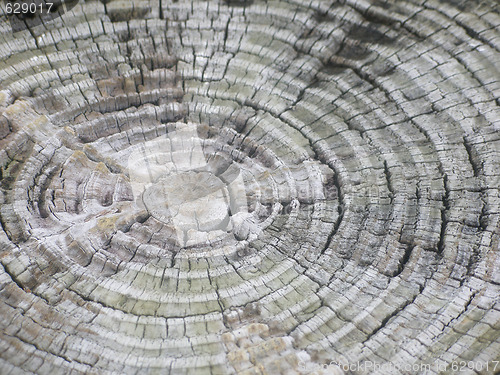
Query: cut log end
x=243 y=187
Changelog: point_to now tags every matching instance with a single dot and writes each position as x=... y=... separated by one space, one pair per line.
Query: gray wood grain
x=251 y=187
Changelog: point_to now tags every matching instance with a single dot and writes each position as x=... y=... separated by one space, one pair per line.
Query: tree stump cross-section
x=251 y=187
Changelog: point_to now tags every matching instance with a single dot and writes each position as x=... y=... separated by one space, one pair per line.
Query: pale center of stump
x=189 y=200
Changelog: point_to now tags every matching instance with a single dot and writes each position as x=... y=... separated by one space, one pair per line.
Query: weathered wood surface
x=251 y=187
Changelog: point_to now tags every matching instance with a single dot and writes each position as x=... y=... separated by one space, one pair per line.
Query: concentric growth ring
x=251 y=187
